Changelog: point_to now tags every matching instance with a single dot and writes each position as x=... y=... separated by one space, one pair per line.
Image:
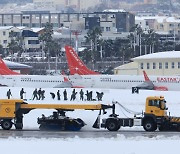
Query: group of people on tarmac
x=39 y=94
x=88 y=94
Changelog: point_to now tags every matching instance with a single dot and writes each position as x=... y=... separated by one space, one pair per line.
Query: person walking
x=87 y=95
x=35 y=94
x=90 y=96
x=73 y=95
x=81 y=95
x=21 y=93
x=9 y=94
x=58 y=95
x=39 y=93
x=65 y=95
x=42 y=94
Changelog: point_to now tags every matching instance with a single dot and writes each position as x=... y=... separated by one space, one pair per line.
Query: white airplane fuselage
x=36 y=81
x=123 y=81
x=88 y=81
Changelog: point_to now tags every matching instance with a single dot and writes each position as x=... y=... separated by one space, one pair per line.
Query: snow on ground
x=119 y=144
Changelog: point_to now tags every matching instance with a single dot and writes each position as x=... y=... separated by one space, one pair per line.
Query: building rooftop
x=160 y=19
x=115 y=10
x=159 y=55
x=37 y=29
x=5 y=27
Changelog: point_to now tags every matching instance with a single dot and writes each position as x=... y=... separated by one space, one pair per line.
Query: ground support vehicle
x=155 y=116
x=12 y=111
x=58 y=121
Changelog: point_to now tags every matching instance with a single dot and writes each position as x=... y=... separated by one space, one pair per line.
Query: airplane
x=82 y=76
x=13 y=79
x=87 y=79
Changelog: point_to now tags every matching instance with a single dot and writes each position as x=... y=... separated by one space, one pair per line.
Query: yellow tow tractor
x=155 y=116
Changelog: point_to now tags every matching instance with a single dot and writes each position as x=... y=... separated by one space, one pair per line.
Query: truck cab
x=155 y=116
x=156 y=106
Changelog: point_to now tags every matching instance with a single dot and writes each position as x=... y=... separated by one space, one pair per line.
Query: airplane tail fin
x=146 y=78
x=4 y=70
x=75 y=64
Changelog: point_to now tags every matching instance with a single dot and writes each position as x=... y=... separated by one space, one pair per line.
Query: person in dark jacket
x=39 y=93
x=42 y=94
x=65 y=95
x=73 y=95
x=35 y=94
x=90 y=96
x=52 y=95
x=9 y=94
x=58 y=95
x=81 y=95
x=21 y=93
x=99 y=96
x=87 y=95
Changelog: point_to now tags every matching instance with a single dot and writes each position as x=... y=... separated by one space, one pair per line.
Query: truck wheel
x=19 y=126
x=149 y=125
x=6 y=124
x=112 y=125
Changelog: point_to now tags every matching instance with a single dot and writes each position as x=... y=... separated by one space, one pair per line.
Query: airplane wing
x=146 y=85
x=66 y=83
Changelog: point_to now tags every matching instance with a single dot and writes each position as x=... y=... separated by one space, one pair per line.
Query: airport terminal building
x=162 y=63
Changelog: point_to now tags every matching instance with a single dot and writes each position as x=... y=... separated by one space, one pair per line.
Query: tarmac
x=82 y=134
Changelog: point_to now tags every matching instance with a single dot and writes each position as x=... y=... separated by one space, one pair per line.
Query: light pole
x=174 y=36
x=70 y=33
